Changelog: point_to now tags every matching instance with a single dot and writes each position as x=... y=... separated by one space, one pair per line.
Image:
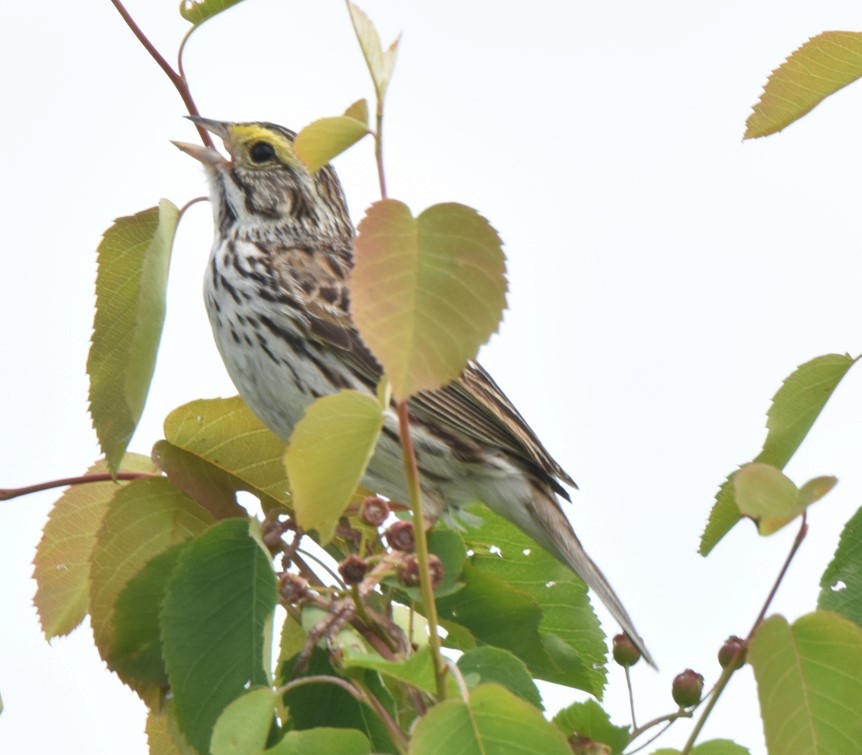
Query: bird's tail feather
x=546 y=523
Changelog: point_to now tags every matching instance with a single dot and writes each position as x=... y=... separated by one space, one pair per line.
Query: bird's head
x=263 y=183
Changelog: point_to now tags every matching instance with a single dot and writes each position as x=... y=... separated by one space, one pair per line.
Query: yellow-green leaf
x=358 y=111
x=771 y=499
x=322 y=140
x=426 y=292
x=198 y=11
x=227 y=435
x=322 y=740
x=794 y=409
x=133 y=261
x=380 y=63
x=163 y=733
x=327 y=456
x=145 y=518
x=822 y=66
x=62 y=563
x=809 y=681
x=245 y=724
x=209 y=485
x=766 y=495
x=492 y=721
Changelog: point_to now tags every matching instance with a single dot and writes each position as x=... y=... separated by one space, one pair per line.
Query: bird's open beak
x=206 y=155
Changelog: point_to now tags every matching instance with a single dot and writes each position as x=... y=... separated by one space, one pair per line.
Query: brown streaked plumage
x=277 y=296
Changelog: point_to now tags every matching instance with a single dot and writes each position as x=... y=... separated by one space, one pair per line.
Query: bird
x=277 y=295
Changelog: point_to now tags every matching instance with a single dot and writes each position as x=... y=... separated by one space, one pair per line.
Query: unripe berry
x=408 y=570
x=374 y=510
x=729 y=649
x=401 y=537
x=625 y=652
x=292 y=588
x=353 y=569
x=585 y=746
x=687 y=688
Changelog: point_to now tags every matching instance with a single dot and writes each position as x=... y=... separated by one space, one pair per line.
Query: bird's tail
x=546 y=523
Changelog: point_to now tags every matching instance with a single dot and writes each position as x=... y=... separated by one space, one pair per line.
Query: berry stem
x=732 y=665
x=667 y=719
x=411 y=469
x=631 y=696
x=7 y=494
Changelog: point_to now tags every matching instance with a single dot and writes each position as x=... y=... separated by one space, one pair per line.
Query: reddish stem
x=177 y=80
x=9 y=493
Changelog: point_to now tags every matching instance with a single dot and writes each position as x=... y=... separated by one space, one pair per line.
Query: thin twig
x=322 y=679
x=732 y=665
x=176 y=79
x=398 y=737
x=631 y=697
x=670 y=718
x=9 y=493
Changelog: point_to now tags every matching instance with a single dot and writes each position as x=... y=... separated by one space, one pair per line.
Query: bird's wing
x=472 y=405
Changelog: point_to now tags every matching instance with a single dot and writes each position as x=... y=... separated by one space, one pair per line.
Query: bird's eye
x=262 y=152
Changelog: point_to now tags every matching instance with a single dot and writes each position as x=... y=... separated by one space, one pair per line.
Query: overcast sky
x=665 y=277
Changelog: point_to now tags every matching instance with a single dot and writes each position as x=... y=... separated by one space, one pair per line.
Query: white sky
x=664 y=277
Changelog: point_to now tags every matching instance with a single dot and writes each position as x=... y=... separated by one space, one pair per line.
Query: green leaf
x=489 y=664
x=322 y=140
x=146 y=518
x=841 y=583
x=798 y=403
x=135 y=653
x=426 y=292
x=358 y=111
x=380 y=63
x=822 y=66
x=328 y=453
x=225 y=434
x=322 y=741
x=794 y=409
x=244 y=726
x=216 y=624
x=518 y=597
x=588 y=719
x=130 y=309
x=62 y=563
x=809 y=681
x=316 y=706
x=417 y=670
x=492 y=721
x=198 y=11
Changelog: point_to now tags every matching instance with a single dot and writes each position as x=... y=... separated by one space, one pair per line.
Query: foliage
x=187 y=590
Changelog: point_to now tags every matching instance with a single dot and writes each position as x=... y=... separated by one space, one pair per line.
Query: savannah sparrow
x=277 y=297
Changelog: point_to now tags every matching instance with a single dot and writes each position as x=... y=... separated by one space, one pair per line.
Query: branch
x=7 y=494
x=176 y=79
